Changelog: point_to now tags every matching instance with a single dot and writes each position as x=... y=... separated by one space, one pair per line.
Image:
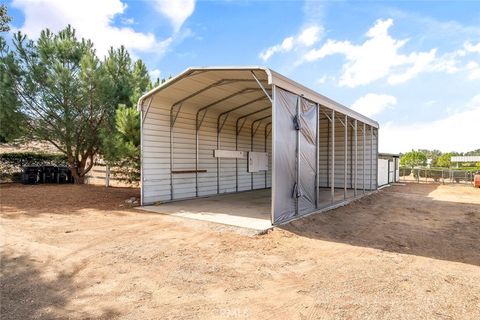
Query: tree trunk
x=77 y=178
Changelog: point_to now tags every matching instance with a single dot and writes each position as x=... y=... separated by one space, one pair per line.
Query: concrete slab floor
x=250 y=209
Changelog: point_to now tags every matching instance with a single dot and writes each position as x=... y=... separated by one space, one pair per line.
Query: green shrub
x=22 y=159
x=11 y=164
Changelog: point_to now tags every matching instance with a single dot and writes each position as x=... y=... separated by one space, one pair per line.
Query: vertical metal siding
x=156 y=155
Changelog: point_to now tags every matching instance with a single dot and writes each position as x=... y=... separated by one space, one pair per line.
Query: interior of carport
x=200 y=129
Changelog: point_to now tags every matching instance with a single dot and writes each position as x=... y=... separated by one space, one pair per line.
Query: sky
x=413 y=66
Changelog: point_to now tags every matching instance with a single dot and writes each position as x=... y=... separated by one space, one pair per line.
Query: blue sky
x=412 y=66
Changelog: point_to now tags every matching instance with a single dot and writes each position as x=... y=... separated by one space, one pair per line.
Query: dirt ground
x=408 y=252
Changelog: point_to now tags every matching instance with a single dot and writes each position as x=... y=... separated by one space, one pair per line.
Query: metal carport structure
x=220 y=130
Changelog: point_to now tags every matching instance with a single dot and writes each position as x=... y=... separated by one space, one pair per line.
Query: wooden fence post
x=107 y=176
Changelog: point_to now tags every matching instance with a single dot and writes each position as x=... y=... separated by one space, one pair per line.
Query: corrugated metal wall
x=326 y=149
x=156 y=155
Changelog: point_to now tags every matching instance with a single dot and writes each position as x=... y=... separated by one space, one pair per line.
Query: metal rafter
x=226 y=113
x=218 y=83
x=146 y=111
x=261 y=86
x=237 y=133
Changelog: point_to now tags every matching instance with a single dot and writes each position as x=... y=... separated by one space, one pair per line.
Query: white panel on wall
x=156 y=155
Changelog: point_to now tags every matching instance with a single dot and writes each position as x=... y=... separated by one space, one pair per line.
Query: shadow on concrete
x=403 y=219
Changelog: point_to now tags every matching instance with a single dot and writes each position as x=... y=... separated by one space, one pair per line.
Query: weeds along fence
x=429 y=175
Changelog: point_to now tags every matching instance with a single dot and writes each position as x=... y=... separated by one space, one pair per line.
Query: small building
x=253 y=142
x=464 y=159
x=388 y=168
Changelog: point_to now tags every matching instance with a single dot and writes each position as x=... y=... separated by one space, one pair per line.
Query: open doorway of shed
x=247 y=209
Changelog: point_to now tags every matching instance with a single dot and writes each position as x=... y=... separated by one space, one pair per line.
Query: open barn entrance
x=247 y=146
x=207 y=141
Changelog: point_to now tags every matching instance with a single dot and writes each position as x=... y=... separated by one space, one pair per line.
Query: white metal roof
x=198 y=78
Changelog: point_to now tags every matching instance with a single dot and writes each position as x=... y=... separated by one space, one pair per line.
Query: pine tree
x=67 y=94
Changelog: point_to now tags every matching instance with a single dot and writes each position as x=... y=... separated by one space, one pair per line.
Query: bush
x=11 y=164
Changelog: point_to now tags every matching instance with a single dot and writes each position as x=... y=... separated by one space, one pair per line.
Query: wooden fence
x=101 y=174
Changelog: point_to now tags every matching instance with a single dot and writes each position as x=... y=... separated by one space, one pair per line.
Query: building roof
x=465 y=159
x=212 y=83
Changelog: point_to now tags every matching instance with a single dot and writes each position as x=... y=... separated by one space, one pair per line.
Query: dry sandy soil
x=408 y=252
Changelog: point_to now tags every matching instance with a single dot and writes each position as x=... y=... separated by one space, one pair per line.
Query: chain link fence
x=429 y=175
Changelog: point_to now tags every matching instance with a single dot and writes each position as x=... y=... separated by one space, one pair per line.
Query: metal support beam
x=218 y=83
x=238 y=129
x=198 y=125
x=174 y=111
x=220 y=125
x=317 y=160
x=333 y=158
x=261 y=86
x=345 y=159
x=144 y=113
x=253 y=131
x=266 y=134
x=376 y=164
x=226 y=113
x=363 y=154
x=371 y=158
x=356 y=159
x=142 y=174
x=326 y=115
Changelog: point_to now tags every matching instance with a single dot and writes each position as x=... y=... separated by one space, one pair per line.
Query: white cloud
x=322 y=79
x=309 y=36
x=376 y=58
x=154 y=74
x=420 y=62
x=285 y=46
x=472 y=47
x=473 y=70
x=372 y=104
x=449 y=62
x=457 y=132
x=306 y=38
x=177 y=11
x=92 y=19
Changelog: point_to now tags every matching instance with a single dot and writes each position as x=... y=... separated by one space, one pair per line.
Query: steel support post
x=198 y=125
x=142 y=175
x=173 y=118
x=356 y=158
x=345 y=159
x=253 y=131
x=333 y=158
x=317 y=160
x=371 y=158
x=376 y=164
x=266 y=134
x=273 y=181
x=237 y=133
x=363 y=156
